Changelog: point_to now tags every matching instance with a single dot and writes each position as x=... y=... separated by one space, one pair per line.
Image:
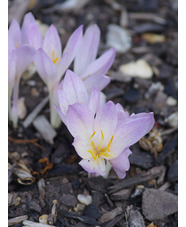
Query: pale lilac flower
x=51 y=63
x=91 y=70
x=72 y=90
x=19 y=60
x=106 y=136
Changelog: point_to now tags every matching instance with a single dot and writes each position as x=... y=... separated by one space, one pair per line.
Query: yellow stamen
x=102 y=135
x=93 y=134
x=53 y=57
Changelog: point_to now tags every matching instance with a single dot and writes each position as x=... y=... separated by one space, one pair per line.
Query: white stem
x=107 y=168
x=55 y=120
x=14 y=112
x=9 y=105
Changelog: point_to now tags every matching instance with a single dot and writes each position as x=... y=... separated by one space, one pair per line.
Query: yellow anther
x=102 y=135
x=93 y=134
x=53 y=57
x=93 y=155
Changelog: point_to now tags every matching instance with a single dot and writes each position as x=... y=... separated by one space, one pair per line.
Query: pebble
x=84 y=199
x=119 y=38
x=171 y=101
x=172 y=120
x=22 y=110
x=92 y=211
x=153 y=89
x=33 y=205
x=140 y=68
x=157 y=204
x=110 y=215
x=153 y=38
x=121 y=195
x=31 y=83
x=69 y=200
x=135 y=219
x=173 y=172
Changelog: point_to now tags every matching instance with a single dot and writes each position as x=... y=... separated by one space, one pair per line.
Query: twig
x=17 y=220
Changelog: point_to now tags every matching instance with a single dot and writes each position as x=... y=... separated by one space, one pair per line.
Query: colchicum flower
x=51 y=64
x=91 y=70
x=72 y=90
x=106 y=136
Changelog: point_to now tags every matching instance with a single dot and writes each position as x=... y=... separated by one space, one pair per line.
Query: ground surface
x=54 y=168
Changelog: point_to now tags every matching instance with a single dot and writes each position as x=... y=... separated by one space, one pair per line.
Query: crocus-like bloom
x=91 y=70
x=51 y=64
x=106 y=136
x=72 y=90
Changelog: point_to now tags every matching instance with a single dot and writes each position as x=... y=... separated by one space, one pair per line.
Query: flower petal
x=45 y=67
x=88 y=50
x=70 y=51
x=101 y=65
x=31 y=33
x=79 y=120
x=99 y=81
x=14 y=35
x=106 y=120
x=24 y=55
x=94 y=101
x=11 y=71
x=52 y=43
x=121 y=164
x=131 y=130
x=82 y=147
x=90 y=166
x=62 y=116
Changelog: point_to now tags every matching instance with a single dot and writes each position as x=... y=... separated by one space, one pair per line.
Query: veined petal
x=23 y=56
x=121 y=164
x=11 y=71
x=62 y=116
x=88 y=50
x=90 y=166
x=99 y=81
x=45 y=68
x=73 y=85
x=82 y=147
x=52 y=44
x=31 y=33
x=14 y=35
x=131 y=130
x=101 y=65
x=105 y=121
x=122 y=115
x=94 y=101
x=70 y=51
x=79 y=121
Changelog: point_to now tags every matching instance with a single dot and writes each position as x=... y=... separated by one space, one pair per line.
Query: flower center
x=55 y=59
x=99 y=151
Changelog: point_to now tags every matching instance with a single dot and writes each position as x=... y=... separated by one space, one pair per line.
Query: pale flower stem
x=9 y=105
x=107 y=168
x=54 y=117
x=14 y=112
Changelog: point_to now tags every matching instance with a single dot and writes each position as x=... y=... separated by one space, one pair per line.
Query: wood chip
x=44 y=128
x=22 y=110
x=35 y=112
x=17 y=220
x=35 y=224
x=110 y=215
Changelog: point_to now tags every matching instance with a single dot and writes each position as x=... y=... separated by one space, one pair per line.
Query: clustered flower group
x=102 y=131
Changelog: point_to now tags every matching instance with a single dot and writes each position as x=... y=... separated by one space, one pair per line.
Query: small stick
x=17 y=220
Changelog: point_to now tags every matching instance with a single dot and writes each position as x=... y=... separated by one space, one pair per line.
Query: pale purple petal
x=122 y=115
x=88 y=49
x=90 y=166
x=74 y=88
x=131 y=130
x=106 y=120
x=99 y=81
x=101 y=65
x=31 y=33
x=14 y=35
x=52 y=44
x=62 y=116
x=45 y=68
x=24 y=55
x=11 y=70
x=82 y=147
x=94 y=102
x=79 y=120
x=121 y=164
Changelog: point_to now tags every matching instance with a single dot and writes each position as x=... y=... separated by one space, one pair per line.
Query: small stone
x=135 y=219
x=34 y=92
x=173 y=172
x=121 y=195
x=153 y=38
x=157 y=204
x=140 y=68
x=92 y=211
x=172 y=120
x=33 y=205
x=79 y=207
x=110 y=215
x=153 y=89
x=84 y=199
x=31 y=83
x=22 y=110
x=69 y=200
x=119 y=38
x=171 y=101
